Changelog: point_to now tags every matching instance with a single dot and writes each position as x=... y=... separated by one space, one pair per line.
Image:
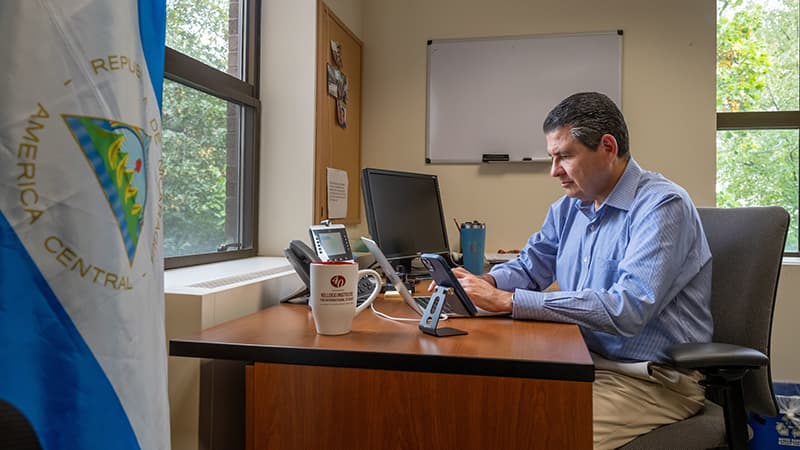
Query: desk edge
x=514 y=368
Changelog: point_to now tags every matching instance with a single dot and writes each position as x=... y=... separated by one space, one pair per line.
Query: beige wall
x=668 y=100
x=288 y=61
x=668 y=97
x=286 y=182
x=351 y=12
x=785 y=334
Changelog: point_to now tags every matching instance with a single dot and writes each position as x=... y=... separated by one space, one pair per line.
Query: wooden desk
x=507 y=385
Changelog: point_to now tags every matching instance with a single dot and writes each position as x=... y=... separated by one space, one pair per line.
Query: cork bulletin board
x=338 y=119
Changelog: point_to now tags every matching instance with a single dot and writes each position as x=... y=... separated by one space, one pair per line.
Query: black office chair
x=15 y=430
x=746 y=246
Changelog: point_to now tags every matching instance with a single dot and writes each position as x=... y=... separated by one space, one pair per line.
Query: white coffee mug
x=334 y=290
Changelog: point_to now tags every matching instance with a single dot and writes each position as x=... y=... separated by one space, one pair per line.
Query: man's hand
x=482 y=291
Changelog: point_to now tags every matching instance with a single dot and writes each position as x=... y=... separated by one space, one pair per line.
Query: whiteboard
x=491 y=95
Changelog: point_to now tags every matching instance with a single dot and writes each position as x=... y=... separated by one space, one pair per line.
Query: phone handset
x=300 y=256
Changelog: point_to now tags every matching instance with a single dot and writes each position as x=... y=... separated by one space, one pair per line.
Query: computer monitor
x=404 y=214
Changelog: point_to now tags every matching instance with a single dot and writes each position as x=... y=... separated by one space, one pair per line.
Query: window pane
x=758 y=63
x=208 y=31
x=760 y=168
x=201 y=153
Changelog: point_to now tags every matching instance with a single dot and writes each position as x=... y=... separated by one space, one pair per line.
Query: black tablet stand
x=430 y=318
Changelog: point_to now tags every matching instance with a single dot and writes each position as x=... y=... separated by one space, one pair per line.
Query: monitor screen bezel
x=373 y=227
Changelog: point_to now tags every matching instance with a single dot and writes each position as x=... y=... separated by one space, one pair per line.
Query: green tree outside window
x=757 y=70
x=195 y=130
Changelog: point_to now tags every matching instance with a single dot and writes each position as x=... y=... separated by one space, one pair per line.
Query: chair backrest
x=747 y=247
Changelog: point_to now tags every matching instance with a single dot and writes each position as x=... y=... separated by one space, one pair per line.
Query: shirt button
x=591 y=228
x=586 y=260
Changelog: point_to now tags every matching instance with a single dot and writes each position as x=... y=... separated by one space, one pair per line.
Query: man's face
x=584 y=174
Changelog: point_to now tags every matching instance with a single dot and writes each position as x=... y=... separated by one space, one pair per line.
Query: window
x=758 y=106
x=210 y=144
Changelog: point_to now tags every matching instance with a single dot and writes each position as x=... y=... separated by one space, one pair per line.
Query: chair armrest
x=715 y=355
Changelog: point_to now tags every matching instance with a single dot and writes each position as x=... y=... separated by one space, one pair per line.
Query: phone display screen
x=330 y=243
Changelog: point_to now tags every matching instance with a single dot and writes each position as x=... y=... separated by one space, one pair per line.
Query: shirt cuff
x=527 y=304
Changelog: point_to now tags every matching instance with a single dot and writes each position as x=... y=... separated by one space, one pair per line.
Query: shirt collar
x=621 y=196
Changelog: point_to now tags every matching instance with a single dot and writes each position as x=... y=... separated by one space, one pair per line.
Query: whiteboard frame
x=537 y=155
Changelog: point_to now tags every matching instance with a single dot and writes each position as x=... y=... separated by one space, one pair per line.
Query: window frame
x=762 y=120
x=190 y=72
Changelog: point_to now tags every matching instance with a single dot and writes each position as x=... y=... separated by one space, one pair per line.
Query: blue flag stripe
x=152 y=29
x=51 y=375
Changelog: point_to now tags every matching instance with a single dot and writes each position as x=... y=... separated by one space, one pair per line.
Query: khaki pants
x=628 y=403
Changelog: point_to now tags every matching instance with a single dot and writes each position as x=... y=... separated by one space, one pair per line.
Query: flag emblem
x=117 y=153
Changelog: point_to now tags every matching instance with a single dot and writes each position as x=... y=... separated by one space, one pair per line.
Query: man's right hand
x=483 y=292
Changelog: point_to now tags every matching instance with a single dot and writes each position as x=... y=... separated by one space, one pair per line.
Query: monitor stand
x=402 y=266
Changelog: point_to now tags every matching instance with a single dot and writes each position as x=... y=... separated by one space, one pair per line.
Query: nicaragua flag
x=82 y=340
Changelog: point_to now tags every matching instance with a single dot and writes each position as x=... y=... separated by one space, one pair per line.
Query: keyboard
x=423 y=303
x=365 y=287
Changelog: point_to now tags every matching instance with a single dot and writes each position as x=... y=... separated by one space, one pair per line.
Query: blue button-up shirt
x=635 y=274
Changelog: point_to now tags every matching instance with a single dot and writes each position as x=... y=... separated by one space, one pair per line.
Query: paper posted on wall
x=337 y=193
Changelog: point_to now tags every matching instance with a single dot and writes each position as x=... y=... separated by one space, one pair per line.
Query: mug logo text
x=337 y=281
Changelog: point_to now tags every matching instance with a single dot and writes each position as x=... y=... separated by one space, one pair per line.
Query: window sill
x=791 y=261
x=214 y=277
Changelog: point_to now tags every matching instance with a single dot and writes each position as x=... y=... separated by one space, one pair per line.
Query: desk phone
x=330 y=244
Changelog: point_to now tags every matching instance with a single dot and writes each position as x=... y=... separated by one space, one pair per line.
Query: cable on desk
x=399 y=319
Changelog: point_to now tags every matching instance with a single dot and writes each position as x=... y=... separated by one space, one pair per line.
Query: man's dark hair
x=588 y=116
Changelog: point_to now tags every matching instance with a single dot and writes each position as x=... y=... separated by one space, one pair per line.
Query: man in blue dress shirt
x=632 y=265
